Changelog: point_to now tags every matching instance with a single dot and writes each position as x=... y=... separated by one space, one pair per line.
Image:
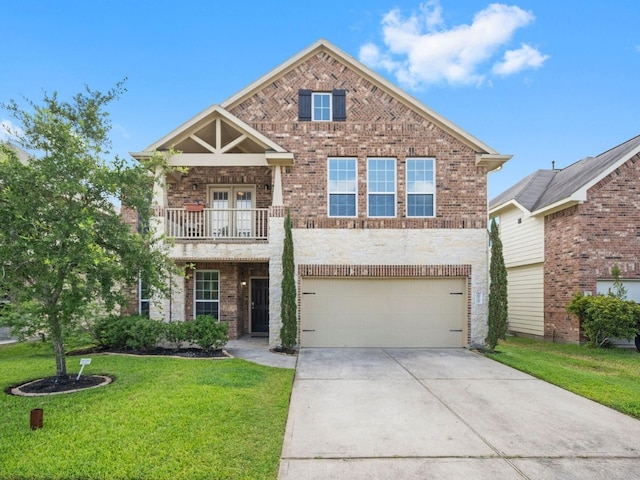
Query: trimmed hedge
x=135 y=332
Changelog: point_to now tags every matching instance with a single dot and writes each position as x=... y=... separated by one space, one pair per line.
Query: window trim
x=143 y=300
x=354 y=193
x=395 y=188
x=315 y=95
x=432 y=193
x=195 y=300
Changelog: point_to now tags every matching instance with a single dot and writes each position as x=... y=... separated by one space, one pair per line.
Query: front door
x=260 y=305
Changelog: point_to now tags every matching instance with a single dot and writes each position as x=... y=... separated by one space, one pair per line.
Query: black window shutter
x=304 y=105
x=339 y=106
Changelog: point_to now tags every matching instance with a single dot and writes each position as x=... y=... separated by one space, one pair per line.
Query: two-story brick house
x=563 y=231
x=388 y=202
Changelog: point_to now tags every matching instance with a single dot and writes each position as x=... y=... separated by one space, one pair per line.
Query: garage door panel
x=339 y=312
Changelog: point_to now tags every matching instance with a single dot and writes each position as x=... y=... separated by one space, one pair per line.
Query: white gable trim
x=185 y=130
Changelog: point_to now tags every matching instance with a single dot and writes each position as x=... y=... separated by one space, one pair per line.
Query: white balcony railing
x=212 y=223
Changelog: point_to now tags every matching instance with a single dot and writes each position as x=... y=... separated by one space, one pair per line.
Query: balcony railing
x=213 y=224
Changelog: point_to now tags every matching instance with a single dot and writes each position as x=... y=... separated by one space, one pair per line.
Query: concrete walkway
x=256 y=349
x=445 y=414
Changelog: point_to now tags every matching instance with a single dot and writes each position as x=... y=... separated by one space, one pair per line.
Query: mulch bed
x=158 y=351
x=67 y=383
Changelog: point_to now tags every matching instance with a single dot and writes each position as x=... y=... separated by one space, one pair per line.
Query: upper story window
x=381 y=187
x=342 y=187
x=420 y=187
x=322 y=106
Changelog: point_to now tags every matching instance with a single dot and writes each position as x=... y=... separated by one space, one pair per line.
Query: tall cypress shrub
x=498 y=308
x=289 y=330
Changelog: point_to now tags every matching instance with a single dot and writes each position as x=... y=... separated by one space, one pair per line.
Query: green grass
x=608 y=376
x=162 y=418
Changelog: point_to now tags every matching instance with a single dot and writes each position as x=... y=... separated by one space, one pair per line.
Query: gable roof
x=323 y=45
x=546 y=191
x=490 y=158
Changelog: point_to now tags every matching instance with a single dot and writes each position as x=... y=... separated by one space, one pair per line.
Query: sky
x=542 y=80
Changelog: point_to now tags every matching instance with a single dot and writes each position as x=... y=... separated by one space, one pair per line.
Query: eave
x=492 y=161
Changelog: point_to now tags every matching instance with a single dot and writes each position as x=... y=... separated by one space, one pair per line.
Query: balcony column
x=159 y=202
x=276 y=199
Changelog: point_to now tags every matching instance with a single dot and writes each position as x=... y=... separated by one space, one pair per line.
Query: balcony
x=217 y=224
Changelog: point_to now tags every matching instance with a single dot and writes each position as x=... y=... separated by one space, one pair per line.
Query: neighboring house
x=388 y=202
x=563 y=231
x=22 y=155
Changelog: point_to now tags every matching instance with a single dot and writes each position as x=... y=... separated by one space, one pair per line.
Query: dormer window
x=322 y=106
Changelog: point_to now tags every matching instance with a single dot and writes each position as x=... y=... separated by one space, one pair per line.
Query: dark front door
x=260 y=305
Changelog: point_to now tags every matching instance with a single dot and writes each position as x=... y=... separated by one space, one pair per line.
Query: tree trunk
x=58 y=346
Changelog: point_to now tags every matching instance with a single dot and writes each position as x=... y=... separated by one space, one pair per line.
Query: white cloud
x=521 y=59
x=420 y=50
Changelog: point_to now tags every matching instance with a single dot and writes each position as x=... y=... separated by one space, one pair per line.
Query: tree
x=289 y=330
x=498 y=307
x=65 y=252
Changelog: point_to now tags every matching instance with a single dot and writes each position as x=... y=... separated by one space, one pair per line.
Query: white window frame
x=195 y=290
x=143 y=300
x=433 y=186
x=233 y=223
x=395 y=187
x=315 y=95
x=339 y=192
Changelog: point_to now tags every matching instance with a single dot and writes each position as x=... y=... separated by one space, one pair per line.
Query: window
x=207 y=293
x=321 y=103
x=143 y=298
x=420 y=187
x=342 y=187
x=381 y=186
x=322 y=106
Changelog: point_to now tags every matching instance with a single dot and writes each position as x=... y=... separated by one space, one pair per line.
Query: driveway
x=445 y=414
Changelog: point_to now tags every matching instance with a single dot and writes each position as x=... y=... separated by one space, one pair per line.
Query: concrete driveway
x=445 y=414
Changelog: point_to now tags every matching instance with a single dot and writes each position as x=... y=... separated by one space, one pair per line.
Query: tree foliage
x=498 y=307
x=64 y=249
x=289 y=330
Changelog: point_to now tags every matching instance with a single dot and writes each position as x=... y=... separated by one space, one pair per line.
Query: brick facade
x=377 y=125
x=584 y=242
x=182 y=191
x=234 y=297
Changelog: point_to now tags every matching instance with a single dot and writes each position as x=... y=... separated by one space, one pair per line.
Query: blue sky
x=542 y=80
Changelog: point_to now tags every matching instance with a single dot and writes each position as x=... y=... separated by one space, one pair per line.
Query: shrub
x=176 y=332
x=111 y=331
x=208 y=333
x=605 y=317
x=133 y=332
x=144 y=333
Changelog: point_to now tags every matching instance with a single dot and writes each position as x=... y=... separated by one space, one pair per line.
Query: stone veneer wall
x=584 y=242
x=407 y=253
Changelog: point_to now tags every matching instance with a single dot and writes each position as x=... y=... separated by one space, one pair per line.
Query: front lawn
x=608 y=376
x=162 y=418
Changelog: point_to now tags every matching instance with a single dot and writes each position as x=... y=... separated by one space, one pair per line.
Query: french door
x=232 y=210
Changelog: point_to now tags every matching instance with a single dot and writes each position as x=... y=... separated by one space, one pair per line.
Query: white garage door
x=383 y=312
